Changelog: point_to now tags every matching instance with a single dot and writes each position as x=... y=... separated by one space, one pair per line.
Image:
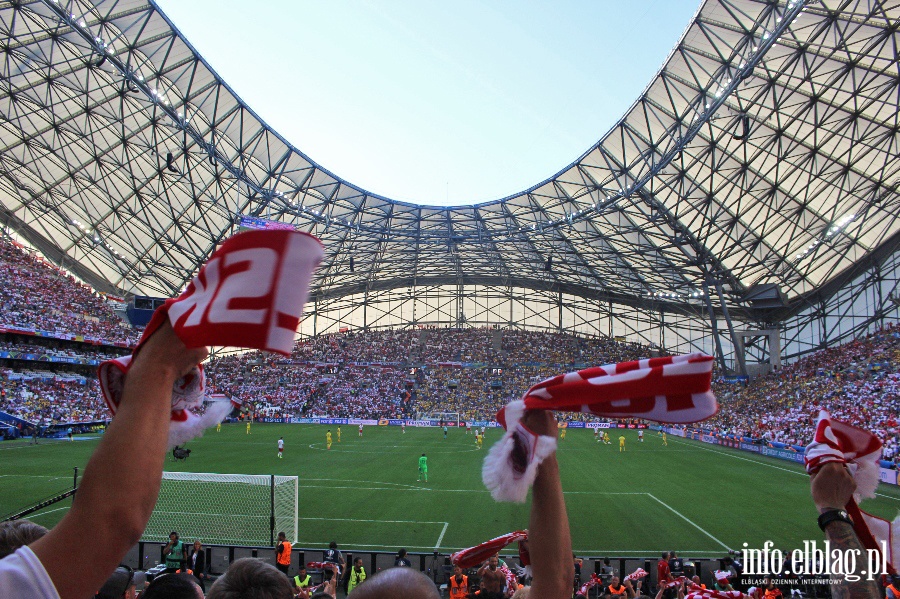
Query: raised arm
x=121 y=480
x=330 y=586
x=831 y=488
x=550 y=543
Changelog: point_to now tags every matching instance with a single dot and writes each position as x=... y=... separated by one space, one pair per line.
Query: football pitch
x=695 y=498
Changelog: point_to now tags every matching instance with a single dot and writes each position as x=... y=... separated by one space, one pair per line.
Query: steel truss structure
x=764 y=152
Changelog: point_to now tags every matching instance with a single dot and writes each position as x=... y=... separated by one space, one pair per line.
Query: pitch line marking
x=647 y=552
x=738 y=457
x=688 y=520
x=69 y=477
x=436 y=546
x=441 y=537
x=206 y=514
x=48 y=512
x=381 y=521
x=485 y=491
x=365 y=547
x=44 y=443
x=318 y=447
x=347 y=480
x=638 y=552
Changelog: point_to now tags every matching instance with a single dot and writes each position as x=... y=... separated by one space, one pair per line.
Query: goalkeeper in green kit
x=423 y=468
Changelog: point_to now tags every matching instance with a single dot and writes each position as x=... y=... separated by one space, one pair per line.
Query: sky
x=440 y=103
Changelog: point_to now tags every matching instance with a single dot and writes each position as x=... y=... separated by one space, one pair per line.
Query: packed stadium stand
x=746 y=206
x=858 y=382
x=36 y=296
x=401 y=374
x=388 y=374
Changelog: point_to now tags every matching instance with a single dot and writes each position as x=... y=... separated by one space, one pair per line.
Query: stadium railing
x=147 y=554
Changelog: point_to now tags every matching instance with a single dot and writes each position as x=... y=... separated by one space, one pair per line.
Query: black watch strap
x=826 y=518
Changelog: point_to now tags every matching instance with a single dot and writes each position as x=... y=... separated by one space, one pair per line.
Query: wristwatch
x=826 y=518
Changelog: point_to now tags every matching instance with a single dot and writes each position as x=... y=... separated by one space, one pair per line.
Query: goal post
x=442 y=417
x=225 y=509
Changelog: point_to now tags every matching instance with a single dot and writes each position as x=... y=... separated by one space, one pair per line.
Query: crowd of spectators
x=81 y=355
x=404 y=374
x=358 y=346
x=561 y=349
x=37 y=296
x=858 y=382
x=48 y=401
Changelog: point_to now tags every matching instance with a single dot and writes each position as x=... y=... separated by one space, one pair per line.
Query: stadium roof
x=765 y=151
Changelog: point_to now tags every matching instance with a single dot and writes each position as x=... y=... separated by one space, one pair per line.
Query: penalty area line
x=686 y=519
x=380 y=521
x=441 y=537
x=39 y=514
x=437 y=490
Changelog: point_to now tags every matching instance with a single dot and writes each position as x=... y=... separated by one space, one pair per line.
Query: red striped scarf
x=249 y=294
x=588 y=585
x=671 y=390
x=639 y=573
x=860 y=451
x=722 y=575
x=698 y=592
x=675 y=583
x=512 y=582
x=474 y=556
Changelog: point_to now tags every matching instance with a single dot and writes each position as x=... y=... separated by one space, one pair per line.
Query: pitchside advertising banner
x=794 y=456
x=886 y=475
x=437 y=423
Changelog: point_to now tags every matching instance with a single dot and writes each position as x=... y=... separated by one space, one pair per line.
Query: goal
x=226 y=509
x=446 y=417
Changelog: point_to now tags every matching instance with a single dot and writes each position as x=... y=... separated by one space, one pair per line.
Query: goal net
x=445 y=417
x=226 y=509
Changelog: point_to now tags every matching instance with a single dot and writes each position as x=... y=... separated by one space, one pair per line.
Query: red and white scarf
x=512 y=583
x=324 y=566
x=677 y=582
x=249 y=294
x=859 y=450
x=670 y=390
x=698 y=592
x=589 y=584
x=474 y=556
x=639 y=573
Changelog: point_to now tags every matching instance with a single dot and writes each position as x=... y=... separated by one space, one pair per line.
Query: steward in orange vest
x=616 y=589
x=459 y=584
x=283 y=553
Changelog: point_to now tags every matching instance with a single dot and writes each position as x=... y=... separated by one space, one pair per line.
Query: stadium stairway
x=497 y=340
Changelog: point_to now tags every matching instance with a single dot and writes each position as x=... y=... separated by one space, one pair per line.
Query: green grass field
x=695 y=498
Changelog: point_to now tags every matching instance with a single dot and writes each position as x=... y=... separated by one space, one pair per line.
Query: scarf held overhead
x=593 y=581
x=859 y=450
x=672 y=389
x=477 y=555
x=249 y=294
x=639 y=573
